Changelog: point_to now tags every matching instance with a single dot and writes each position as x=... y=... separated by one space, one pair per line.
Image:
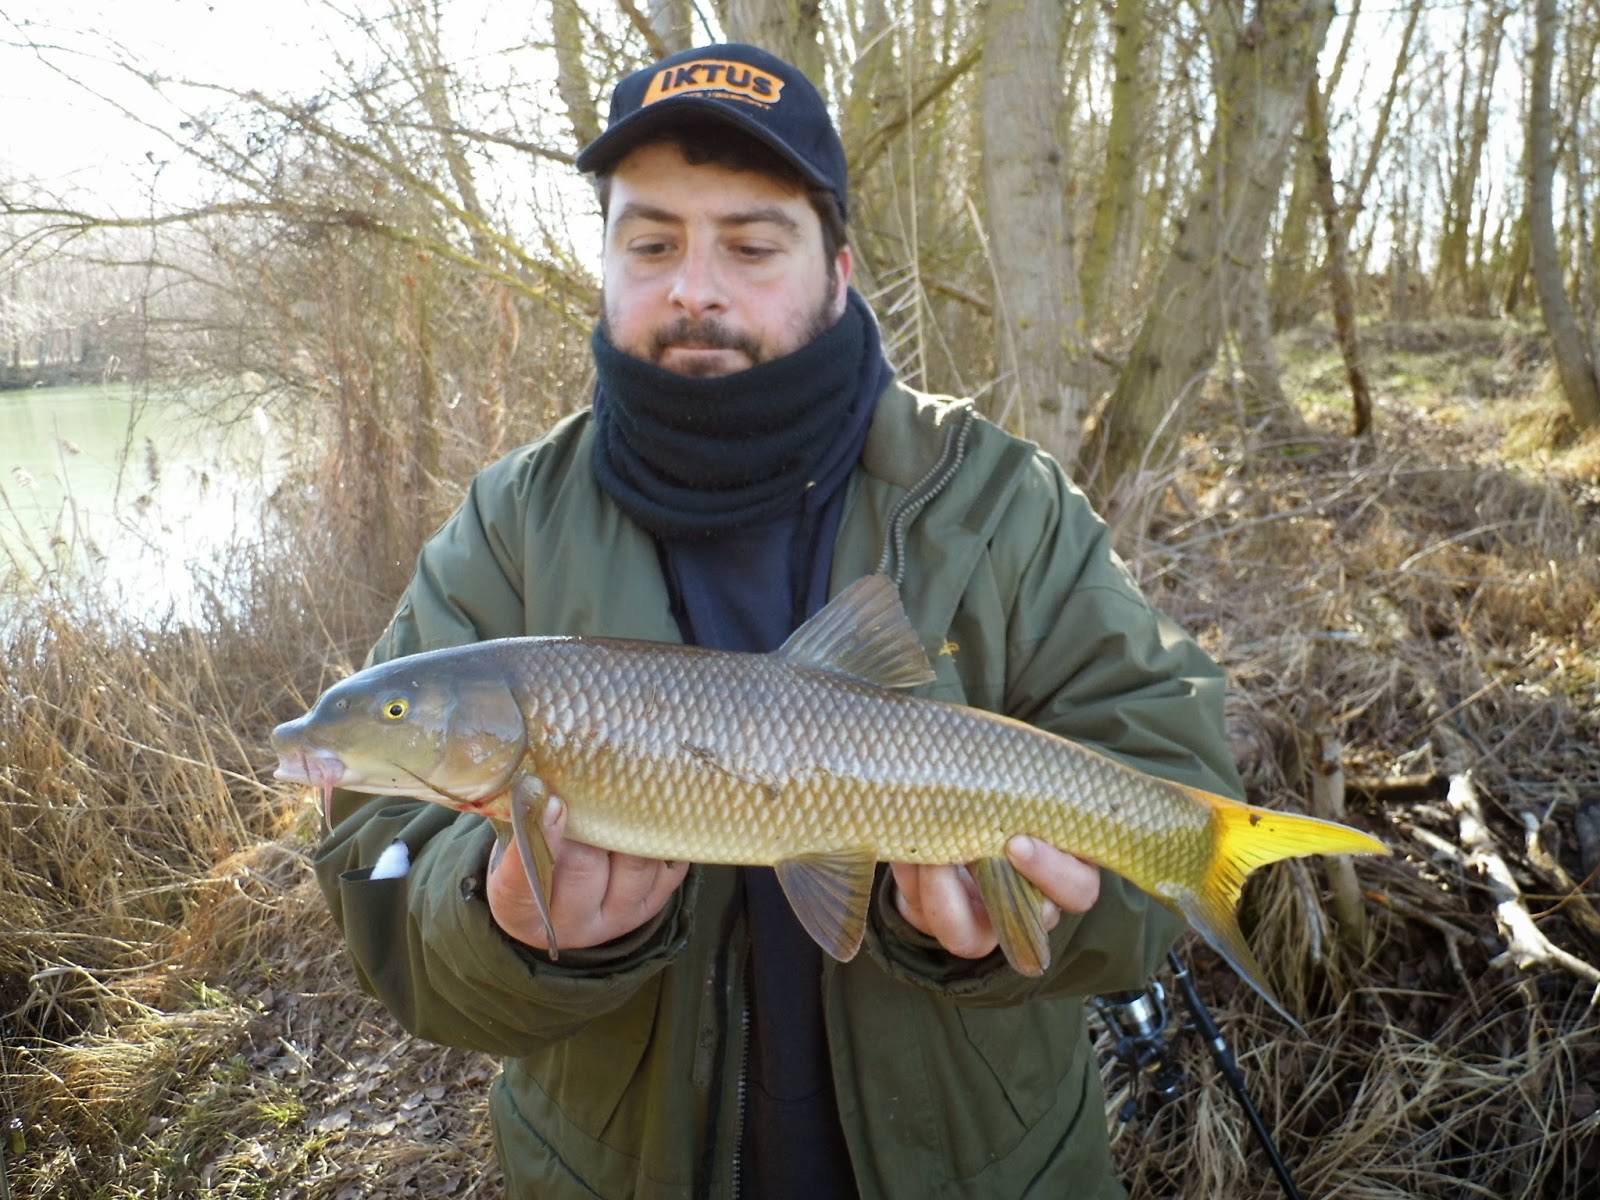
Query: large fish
x=808 y=759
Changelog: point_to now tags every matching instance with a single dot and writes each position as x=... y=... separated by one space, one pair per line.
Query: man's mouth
x=698 y=338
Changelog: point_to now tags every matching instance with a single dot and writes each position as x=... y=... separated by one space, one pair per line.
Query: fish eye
x=397 y=708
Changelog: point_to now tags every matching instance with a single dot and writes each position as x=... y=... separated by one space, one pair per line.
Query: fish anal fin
x=863 y=632
x=1015 y=907
x=528 y=798
x=829 y=894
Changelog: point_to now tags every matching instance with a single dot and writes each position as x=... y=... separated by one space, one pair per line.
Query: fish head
x=436 y=726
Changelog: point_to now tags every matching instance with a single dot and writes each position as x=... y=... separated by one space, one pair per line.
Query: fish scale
x=812 y=759
x=657 y=753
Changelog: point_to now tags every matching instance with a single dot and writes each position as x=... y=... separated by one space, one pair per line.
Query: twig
x=1315 y=917
x=1526 y=946
x=1579 y=907
x=1327 y=801
x=1395 y=788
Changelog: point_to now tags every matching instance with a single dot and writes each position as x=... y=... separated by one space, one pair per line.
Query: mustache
x=705 y=334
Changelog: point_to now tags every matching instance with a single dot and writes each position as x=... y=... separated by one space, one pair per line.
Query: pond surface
x=138 y=497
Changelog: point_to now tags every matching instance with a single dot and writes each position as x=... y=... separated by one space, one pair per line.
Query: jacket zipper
x=742 y=1083
x=893 y=560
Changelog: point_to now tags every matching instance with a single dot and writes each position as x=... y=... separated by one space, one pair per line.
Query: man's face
x=709 y=270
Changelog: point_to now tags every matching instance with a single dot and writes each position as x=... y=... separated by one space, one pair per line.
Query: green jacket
x=954 y=1078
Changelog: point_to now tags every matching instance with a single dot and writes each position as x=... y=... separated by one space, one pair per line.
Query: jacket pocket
x=1030 y=1049
x=375 y=932
x=586 y=1077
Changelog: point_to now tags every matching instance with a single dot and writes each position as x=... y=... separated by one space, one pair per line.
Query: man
x=748 y=455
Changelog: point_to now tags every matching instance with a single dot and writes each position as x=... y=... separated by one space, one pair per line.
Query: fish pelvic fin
x=829 y=894
x=1247 y=837
x=863 y=632
x=1016 y=911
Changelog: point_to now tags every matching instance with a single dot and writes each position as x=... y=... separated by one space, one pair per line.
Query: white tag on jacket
x=393 y=863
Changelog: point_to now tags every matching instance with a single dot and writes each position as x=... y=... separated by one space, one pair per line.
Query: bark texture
x=1340 y=288
x=1039 y=316
x=1260 y=102
x=1574 y=362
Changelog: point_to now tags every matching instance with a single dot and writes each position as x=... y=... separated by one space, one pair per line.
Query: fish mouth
x=321 y=769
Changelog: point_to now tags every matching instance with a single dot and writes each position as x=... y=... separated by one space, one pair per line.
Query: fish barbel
x=810 y=759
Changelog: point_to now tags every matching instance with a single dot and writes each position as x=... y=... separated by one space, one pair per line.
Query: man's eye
x=755 y=253
x=648 y=249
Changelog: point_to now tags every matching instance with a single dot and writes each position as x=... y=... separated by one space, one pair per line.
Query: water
x=135 y=497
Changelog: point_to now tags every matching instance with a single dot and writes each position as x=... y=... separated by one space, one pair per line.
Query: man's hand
x=595 y=895
x=943 y=902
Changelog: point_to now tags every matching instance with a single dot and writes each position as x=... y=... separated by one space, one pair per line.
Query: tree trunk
x=1261 y=100
x=1113 y=214
x=572 y=77
x=673 y=22
x=1292 y=289
x=1516 y=267
x=791 y=29
x=873 y=98
x=1457 y=280
x=1266 y=408
x=1289 y=292
x=1584 y=255
x=1340 y=289
x=1038 y=311
x=1574 y=363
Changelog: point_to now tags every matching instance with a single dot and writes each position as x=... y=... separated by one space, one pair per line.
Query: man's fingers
x=908 y=892
x=638 y=886
x=1069 y=882
x=943 y=903
x=554 y=821
x=595 y=895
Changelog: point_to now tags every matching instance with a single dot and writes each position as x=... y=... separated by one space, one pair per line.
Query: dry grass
x=1434 y=603
x=177 y=1019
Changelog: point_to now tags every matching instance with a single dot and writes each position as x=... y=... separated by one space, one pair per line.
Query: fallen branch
x=1526 y=946
x=1578 y=906
x=1395 y=789
x=1327 y=801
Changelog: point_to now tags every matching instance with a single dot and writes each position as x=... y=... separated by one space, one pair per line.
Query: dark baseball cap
x=740 y=85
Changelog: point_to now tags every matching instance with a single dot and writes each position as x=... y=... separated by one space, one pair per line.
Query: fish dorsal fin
x=863 y=632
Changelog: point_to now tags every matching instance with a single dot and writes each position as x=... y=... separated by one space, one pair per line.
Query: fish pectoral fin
x=527 y=807
x=1016 y=911
x=863 y=632
x=829 y=894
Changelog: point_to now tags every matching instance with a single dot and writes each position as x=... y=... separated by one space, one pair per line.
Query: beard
x=711 y=334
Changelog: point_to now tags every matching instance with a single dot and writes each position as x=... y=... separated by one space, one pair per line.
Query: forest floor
x=1411 y=630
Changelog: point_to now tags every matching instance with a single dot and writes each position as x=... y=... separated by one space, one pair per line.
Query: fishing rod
x=1139 y=1019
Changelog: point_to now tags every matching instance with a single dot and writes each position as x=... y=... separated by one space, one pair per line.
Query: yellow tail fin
x=1247 y=838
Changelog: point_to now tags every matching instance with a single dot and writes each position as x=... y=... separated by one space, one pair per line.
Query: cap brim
x=614 y=144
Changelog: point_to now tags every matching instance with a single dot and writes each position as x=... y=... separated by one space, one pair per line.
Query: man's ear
x=844 y=264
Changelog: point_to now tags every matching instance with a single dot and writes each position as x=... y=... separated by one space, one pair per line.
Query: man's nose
x=698 y=287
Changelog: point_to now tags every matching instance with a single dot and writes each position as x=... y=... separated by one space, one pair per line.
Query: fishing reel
x=1139 y=1019
x=1144 y=1056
